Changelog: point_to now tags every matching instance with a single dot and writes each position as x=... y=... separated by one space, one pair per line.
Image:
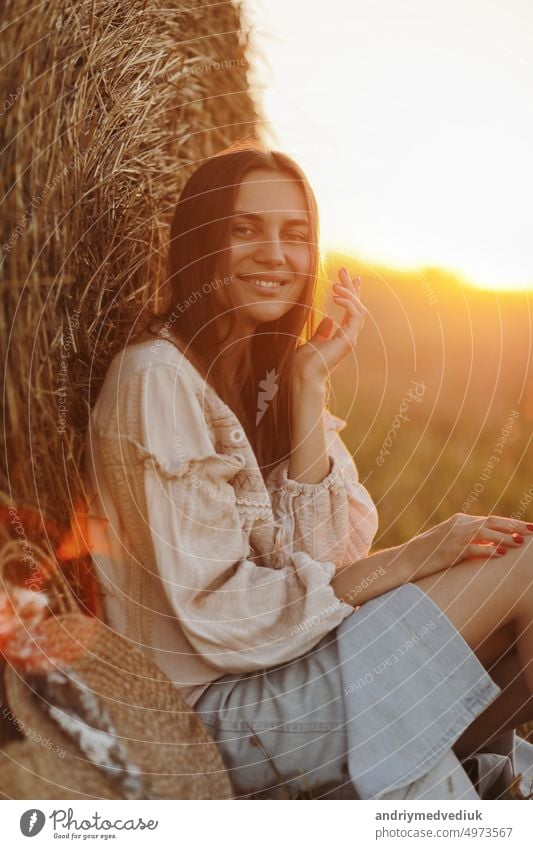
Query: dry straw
x=108 y=105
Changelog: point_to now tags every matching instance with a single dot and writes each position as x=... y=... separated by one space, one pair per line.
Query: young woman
x=235 y=547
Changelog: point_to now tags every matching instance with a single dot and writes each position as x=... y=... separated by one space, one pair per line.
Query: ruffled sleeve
x=335 y=519
x=238 y=615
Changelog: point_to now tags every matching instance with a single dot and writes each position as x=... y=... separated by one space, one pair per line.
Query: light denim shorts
x=371 y=710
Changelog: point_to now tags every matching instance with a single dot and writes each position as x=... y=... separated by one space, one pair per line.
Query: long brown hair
x=198 y=265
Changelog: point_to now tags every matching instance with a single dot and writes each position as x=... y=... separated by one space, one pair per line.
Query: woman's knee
x=516 y=573
x=482 y=596
x=509 y=577
x=520 y=564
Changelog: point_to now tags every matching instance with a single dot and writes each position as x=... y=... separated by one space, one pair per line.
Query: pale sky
x=413 y=121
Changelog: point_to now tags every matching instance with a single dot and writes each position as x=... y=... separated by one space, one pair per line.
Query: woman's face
x=269 y=241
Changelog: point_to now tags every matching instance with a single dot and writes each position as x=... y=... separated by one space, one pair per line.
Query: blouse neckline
x=334 y=422
x=206 y=387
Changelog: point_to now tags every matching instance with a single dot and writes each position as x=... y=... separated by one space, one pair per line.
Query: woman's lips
x=250 y=281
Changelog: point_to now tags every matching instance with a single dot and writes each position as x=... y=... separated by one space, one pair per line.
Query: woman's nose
x=270 y=250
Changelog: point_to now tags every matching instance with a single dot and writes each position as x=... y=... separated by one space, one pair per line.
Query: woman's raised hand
x=461 y=537
x=317 y=358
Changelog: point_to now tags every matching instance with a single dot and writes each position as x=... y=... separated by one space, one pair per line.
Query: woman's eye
x=244 y=230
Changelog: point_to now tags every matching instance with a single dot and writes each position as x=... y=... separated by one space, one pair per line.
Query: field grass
x=465 y=354
x=469 y=353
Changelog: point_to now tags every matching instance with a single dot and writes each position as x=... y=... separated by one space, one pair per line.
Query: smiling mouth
x=264 y=283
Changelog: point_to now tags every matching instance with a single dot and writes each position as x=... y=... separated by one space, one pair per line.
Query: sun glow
x=413 y=124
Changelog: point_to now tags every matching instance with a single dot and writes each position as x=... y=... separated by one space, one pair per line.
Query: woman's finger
x=478 y=550
x=349 y=295
x=348 y=291
x=350 y=326
x=500 y=537
x=351 y=299
x=357 y=310
x=351 y=284
x=505 y=523
x=356 y=283
x=346 y=340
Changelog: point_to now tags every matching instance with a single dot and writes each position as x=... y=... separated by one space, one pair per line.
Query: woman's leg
x=491 y=604
x=512 y=708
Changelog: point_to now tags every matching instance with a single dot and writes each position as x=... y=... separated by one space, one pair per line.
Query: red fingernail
x=518 y=538
x=529 y=526
x=501 y=549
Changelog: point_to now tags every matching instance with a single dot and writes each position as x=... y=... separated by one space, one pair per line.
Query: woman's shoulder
x=152 y=353
x=160 y=344
x=150 y=370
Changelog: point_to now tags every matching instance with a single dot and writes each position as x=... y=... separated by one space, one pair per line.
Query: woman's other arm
x=309 y=460
x=373 y=575
x=318 y=502
x=313 y=363
x=446 y=545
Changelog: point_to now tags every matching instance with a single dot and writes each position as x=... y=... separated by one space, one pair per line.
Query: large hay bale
x=107 y=106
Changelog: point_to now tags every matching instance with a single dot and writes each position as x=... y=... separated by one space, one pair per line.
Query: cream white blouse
x=203 y=565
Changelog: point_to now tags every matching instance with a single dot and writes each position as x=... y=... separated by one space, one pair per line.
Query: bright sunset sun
x=412 y=121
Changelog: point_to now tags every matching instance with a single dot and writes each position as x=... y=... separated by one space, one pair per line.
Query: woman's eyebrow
x=244 y=214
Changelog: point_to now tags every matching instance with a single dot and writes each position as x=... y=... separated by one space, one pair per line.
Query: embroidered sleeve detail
x=210 y=466
x=279 y=480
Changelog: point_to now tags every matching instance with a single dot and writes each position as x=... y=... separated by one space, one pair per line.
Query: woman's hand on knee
x=463 y=536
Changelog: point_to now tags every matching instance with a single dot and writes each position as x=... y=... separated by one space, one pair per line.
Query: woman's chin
x=256 y=310
x=268 y=313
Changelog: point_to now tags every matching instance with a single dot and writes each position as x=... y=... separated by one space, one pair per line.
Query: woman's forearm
x=309 y=461
x=373 y=575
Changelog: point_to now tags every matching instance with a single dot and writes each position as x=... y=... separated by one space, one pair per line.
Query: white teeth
x=268 y=284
